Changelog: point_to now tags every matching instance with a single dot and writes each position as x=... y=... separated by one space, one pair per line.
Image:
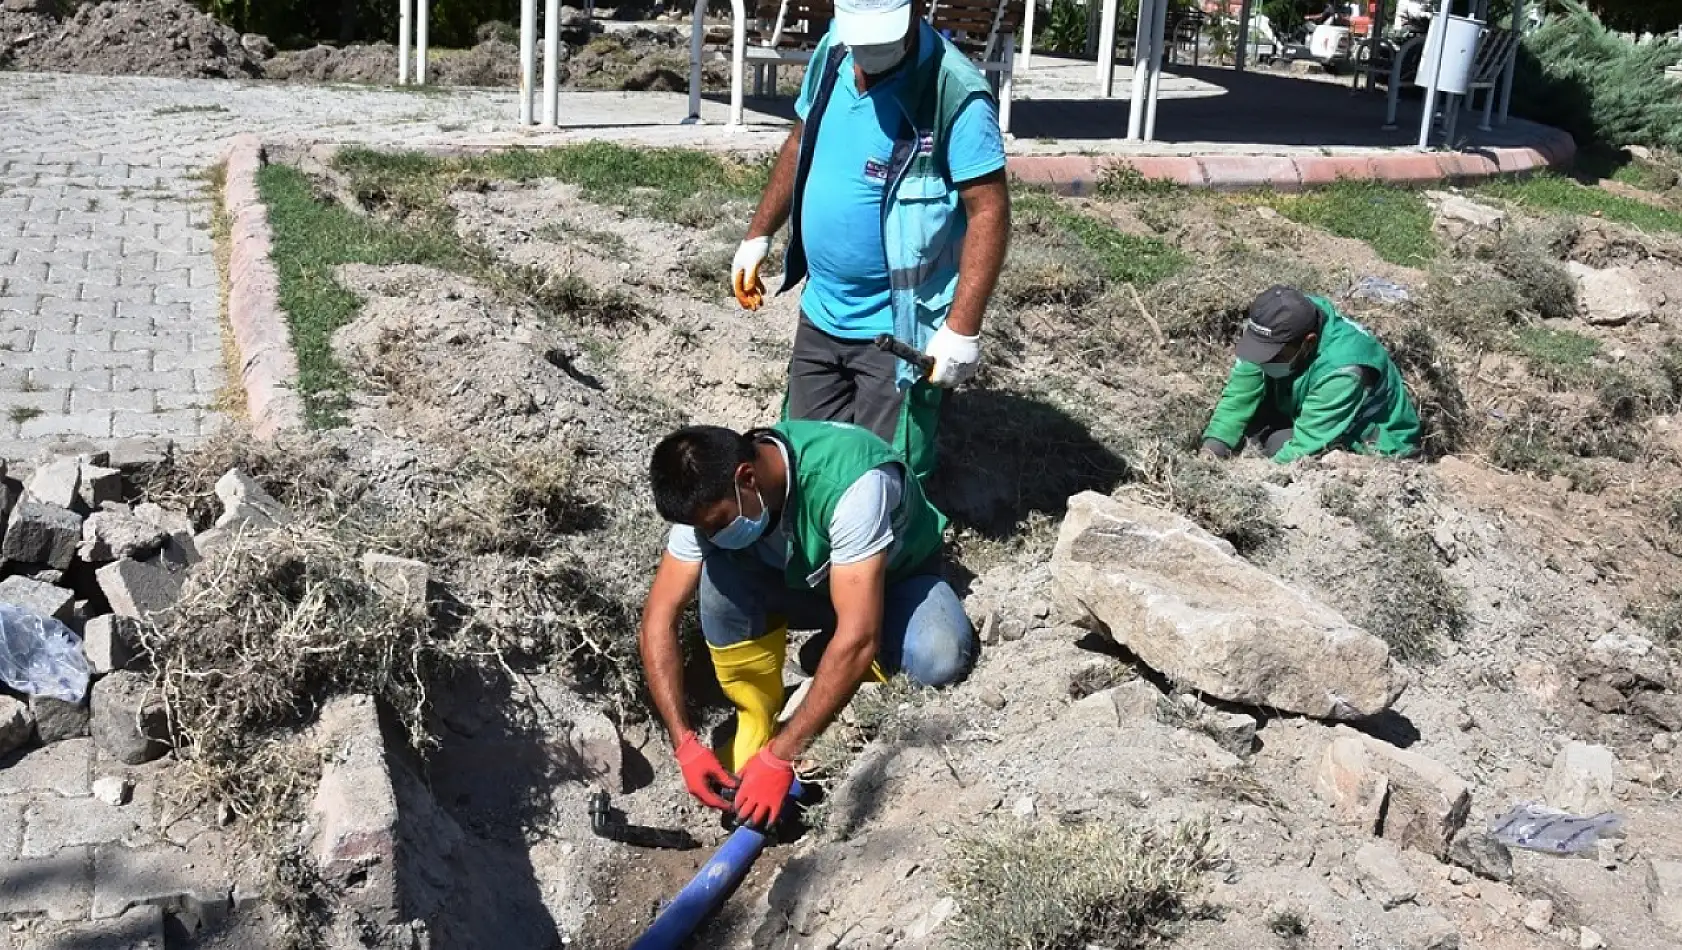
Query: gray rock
x=1482 y=855
x=1459 y=218
x=257 y=45
x=129 y=722
x=1426 y=929
x=99 y=486
x=1589 y=940
x=1184 y=602
x=1664 y=893
x=110 y=642
x=110 y=536
x=1234 y=732
x=113 y=790
x=140 y=588
x=1539 y=916
x=48 y=576
x=57 y=720
x=1614 y=297
x=1378 y=870
x=400 y=578
x=56 y=483
x=16 y=724
x=246 y=504
x=39 y=533
x=140 y=456
x=179 y=548
x=1582 y=778
x=991 y=698
x=35 y=596
x=1410 y=799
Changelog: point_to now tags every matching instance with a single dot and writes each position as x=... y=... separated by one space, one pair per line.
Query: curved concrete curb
x=1078 y=175
x=268 y=367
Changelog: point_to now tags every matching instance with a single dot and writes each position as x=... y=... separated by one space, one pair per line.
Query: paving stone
x=38 y=533
x=129 y=721
x=51 y=824
x=139 y=588
x=110 y=642
x=47 y=600
x=58 y=721
x=112 y=536
x=17 y=724
x=192 y=881
x=63 y=768
x=56 y=483
x=99 y=485
x=59 y=886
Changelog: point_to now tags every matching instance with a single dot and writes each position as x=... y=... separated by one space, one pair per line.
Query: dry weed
x=1207 y=303
x=1051 y=887
x=303 y=474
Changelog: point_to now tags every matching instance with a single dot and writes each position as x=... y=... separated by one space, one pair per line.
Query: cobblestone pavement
x=109 y=294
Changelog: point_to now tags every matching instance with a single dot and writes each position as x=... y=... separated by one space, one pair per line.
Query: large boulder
x=1186 y=604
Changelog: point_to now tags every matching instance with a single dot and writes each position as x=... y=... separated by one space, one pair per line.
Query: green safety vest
x=825 y=459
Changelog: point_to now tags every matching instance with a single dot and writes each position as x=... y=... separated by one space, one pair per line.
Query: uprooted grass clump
x=1447 y=422
x=1223 y=503
x=1052 y=887
x=1206 y=304
x=1410 y=604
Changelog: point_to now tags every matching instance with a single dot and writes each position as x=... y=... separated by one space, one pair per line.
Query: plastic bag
x=1540 y=828
x=40 y=656
x=1379 y=290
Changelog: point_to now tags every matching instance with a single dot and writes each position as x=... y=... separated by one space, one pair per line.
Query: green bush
x=1576 y=74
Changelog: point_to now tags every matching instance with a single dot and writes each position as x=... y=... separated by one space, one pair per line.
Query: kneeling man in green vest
x=1309 y=380
x=815 y=525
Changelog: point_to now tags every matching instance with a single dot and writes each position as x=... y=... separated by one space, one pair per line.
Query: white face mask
x=878 y=58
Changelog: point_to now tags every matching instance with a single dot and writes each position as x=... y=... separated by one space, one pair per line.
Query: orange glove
x=766 y=781
x=744 y=272
x=702 y=772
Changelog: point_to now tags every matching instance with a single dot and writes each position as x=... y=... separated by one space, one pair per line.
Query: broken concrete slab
x=245 y=503
x=52 y=824
x=1378 y=870
x=56 y=483
x=59 y=886
x=16 y=724
x=140 y=588
x=129 y=720
x=1614 y=297
x=40 y=533
x=48 y=600
x=354 y=812
x=1410 y=799
x=113 y=790
x=99 y=486
x=62 y=768
x=195 y=883
x=140 y=456
x=111 y=536
x=1582 y=778
x=57 y=720
x=110 y=642
x=402 y=579
x=1460 y=219
x=1184 y=602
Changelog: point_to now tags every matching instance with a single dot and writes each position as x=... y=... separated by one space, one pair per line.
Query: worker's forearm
x=774 y=205
x=844 y=665
x=978 y=267
x=662 y=662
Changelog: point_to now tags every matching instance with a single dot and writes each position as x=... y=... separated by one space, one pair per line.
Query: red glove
x=702 y=772
x=765 y=783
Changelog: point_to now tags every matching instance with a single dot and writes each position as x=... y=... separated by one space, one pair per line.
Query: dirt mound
x=130 y=38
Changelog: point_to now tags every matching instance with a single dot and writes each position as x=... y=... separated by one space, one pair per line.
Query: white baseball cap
x=871 y=22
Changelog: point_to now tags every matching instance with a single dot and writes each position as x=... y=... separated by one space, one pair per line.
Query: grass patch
x=22 y=414
x=1288 y=926
x=188 y=110
x=1553 y=192
x=1395 y=221
x=877 y=711
x=1121 y=180
x=1563 y=356
x=1050 y=887
x=607 y=241
x=681 y=186
x=311 y=237
x=1120 y=257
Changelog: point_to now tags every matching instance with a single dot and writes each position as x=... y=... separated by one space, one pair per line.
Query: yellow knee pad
x=751 y=675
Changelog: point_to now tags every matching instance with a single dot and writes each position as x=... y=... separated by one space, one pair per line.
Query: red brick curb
x=268 y=367
x=1078 y=175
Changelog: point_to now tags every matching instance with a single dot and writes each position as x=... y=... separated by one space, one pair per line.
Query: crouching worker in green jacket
x=1309 y=380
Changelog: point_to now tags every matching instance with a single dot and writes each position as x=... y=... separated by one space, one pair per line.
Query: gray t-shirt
x=867 y=521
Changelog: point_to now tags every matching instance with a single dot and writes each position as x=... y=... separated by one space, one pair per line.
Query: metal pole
x=1243 y=49
x=1512 y=59
x=528 y=57
x=1106 y=49
x=1439 y=26
x=697 y=31
x=738 y=58
x=405 y=29
x=420 y=41
x=551 y=62
x=1028 y=35
x=1141 y=56
x=1159 y=24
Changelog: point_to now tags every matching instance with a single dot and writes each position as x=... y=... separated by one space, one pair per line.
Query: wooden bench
x=985 y=30
x=782 y=31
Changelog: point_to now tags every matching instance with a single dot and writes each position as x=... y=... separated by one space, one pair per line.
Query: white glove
x=956 y=357
x=744 y=272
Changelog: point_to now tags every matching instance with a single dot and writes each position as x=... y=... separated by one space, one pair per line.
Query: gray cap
x=1279 y=317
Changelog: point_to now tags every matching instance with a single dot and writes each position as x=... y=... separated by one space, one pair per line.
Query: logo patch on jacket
x=925 y=144
x=875 y=170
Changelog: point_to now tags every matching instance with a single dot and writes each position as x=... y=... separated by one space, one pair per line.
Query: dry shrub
x=1223 y=503
x=1052 y=887
x=1446 y=419
x=1207 y=304
x=1472 y=304
x=301 y=473
x=1527 y=258
x=1050 y=268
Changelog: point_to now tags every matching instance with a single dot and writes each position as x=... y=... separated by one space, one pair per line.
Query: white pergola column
x=1245 y=12
x=1159 y=26
x=1512 y=60
x=1027 y=57
x=1439 y=25
x=405 y=29
x=528 y=58
x=1141 y=67
x=421 y=19
x=1106 y=49
x=551 y=63
x=697 y=37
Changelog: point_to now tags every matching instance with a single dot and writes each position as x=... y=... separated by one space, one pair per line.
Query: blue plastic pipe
x=710 y=887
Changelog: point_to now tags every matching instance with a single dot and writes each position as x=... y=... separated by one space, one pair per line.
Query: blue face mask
x=1278 y=370
x=743 y=532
